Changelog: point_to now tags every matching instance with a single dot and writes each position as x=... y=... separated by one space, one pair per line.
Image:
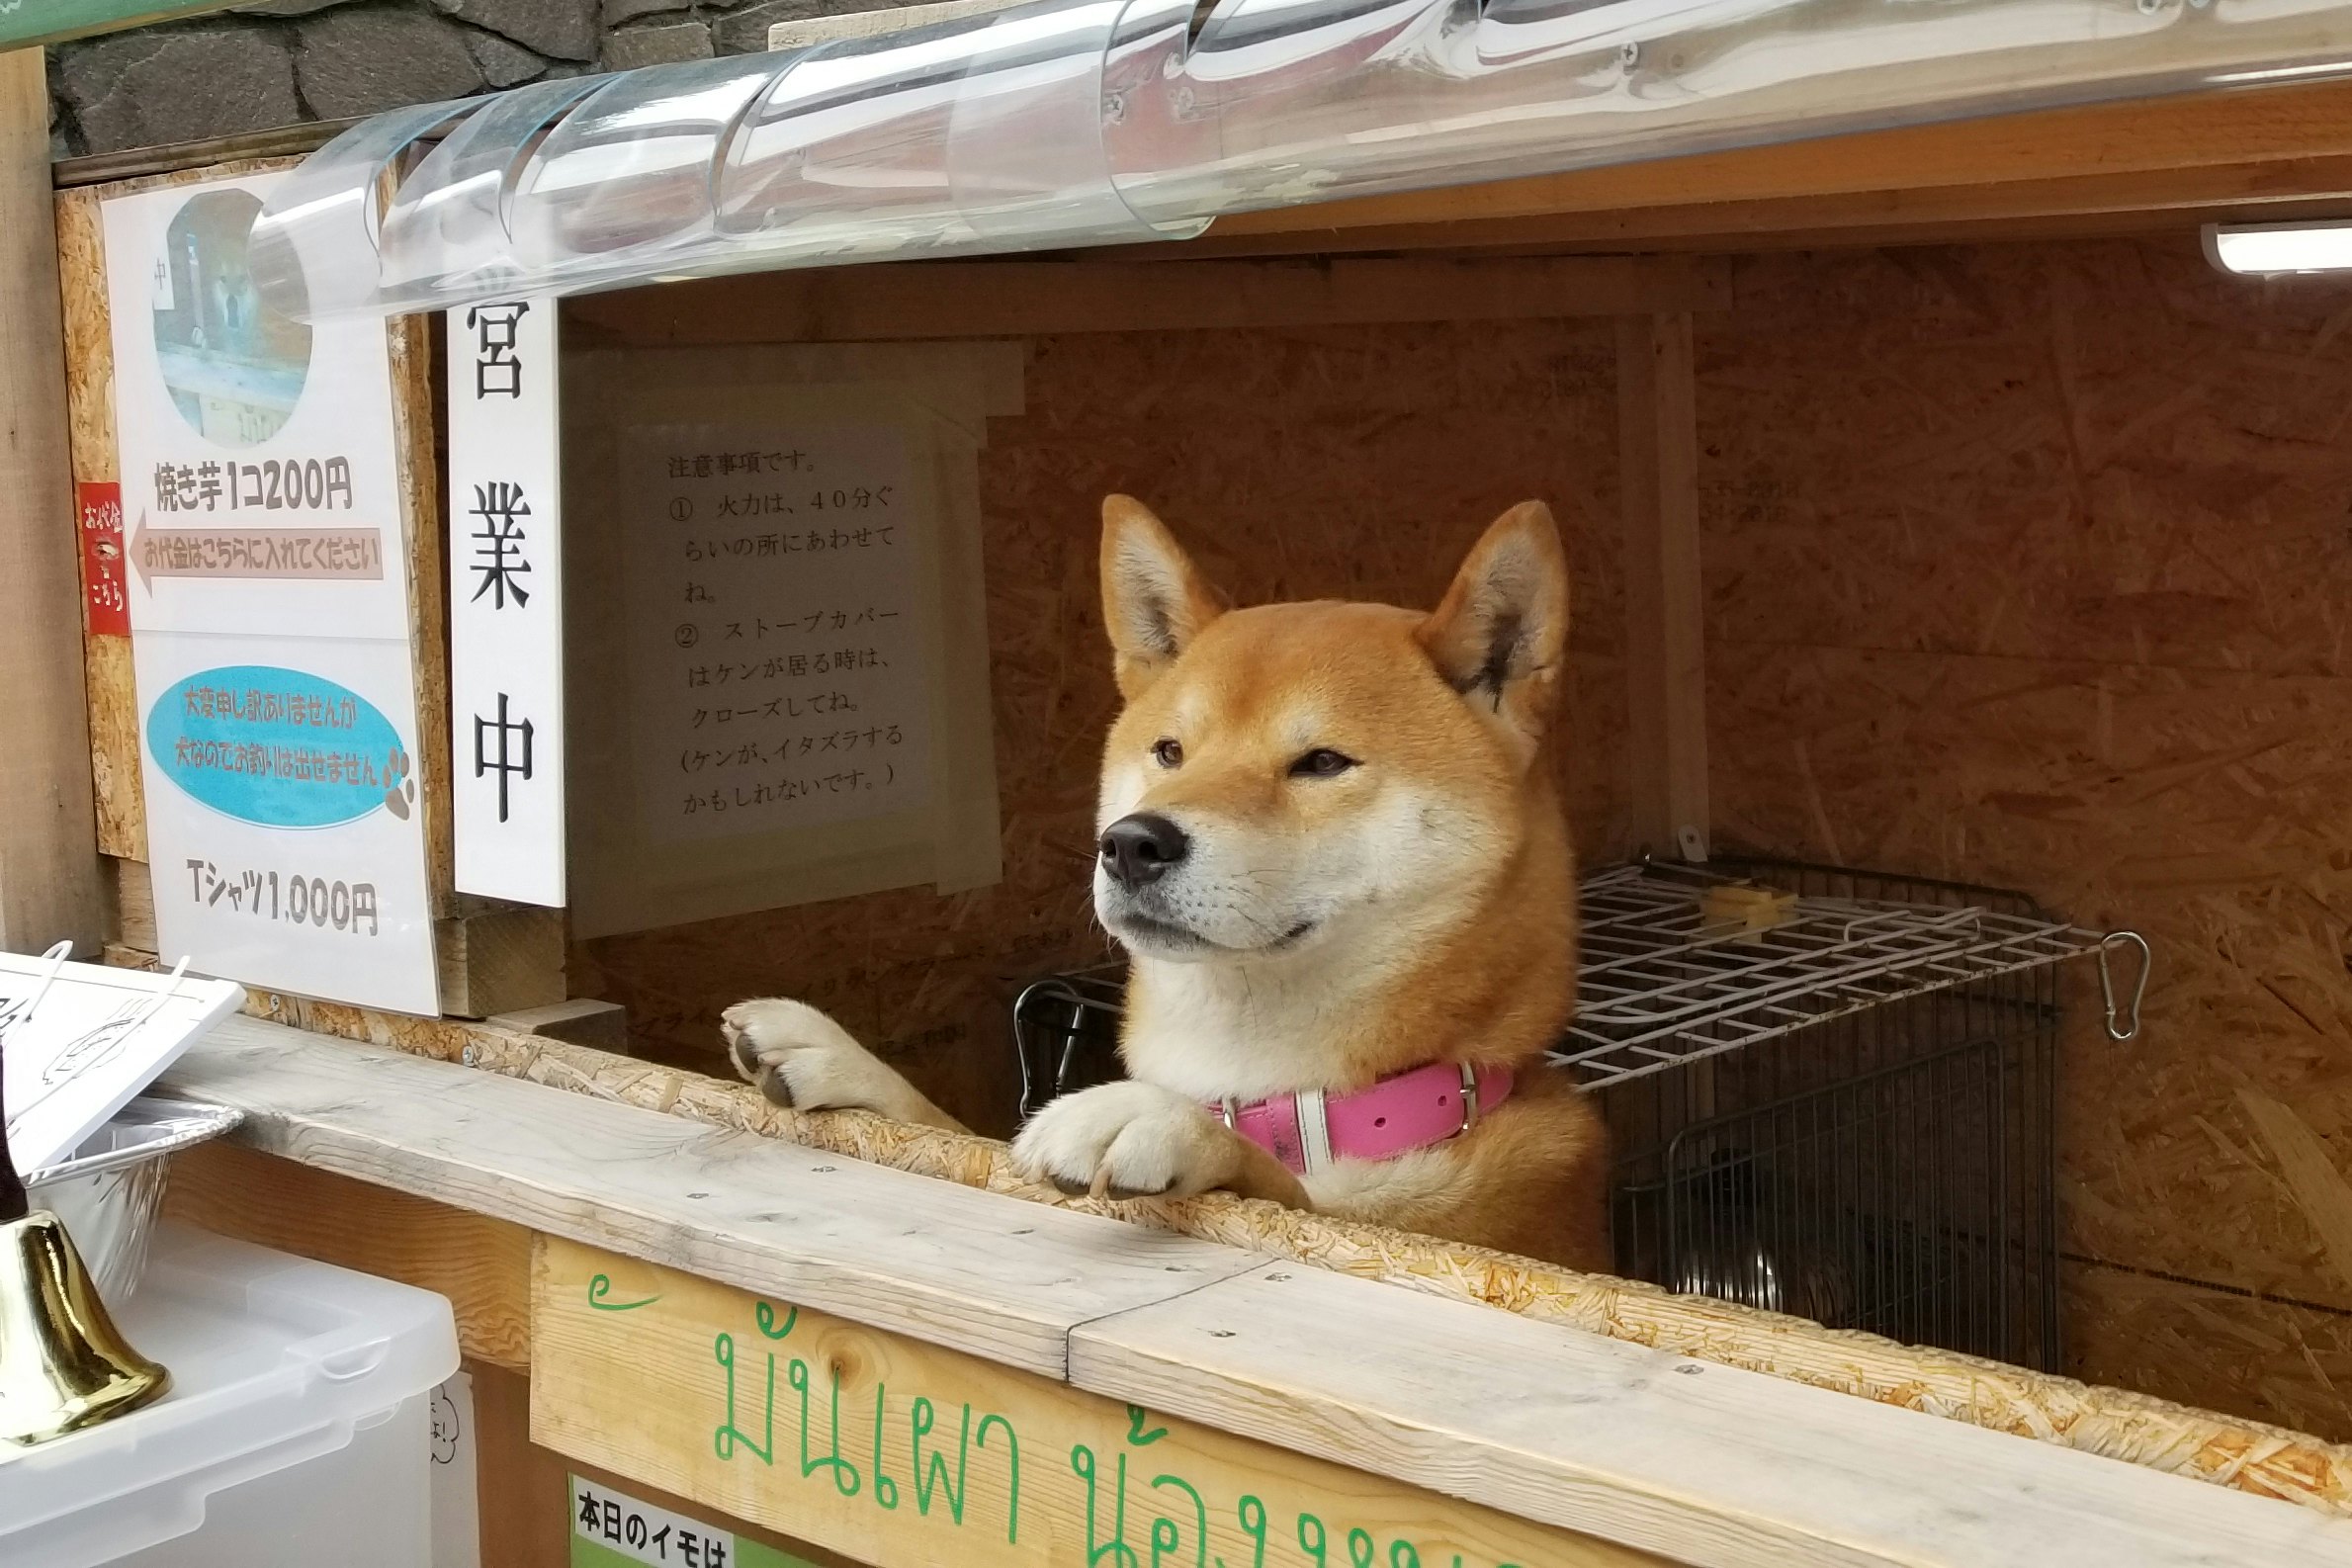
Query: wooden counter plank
x=899 y=1454
x=1635 y=1448
x=1702 y=1463
x=929 y=1259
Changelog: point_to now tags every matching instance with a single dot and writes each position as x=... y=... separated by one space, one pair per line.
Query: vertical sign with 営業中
x=266 y=569
x=506 y=601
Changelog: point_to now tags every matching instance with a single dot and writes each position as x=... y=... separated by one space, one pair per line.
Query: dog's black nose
x=1141 y=848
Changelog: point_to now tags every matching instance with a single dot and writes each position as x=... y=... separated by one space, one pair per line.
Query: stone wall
x=282 y=62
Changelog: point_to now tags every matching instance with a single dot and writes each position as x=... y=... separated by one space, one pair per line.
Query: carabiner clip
x=2107 y=947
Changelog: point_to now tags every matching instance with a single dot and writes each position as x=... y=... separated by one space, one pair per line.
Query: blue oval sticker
x=279 y=748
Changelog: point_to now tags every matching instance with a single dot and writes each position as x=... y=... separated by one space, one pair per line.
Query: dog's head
x=1286 y=775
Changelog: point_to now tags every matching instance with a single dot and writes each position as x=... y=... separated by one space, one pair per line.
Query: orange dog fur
x=1332 y=853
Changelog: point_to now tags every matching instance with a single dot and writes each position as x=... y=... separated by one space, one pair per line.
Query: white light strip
x=2268 y=250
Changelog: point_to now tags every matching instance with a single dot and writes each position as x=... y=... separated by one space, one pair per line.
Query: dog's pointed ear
x=1154 y=600
x=1498 y=634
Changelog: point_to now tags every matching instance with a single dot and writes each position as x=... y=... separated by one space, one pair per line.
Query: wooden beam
x=1037 y=1474
x=2297 y=134
x=2175 y=201
x=1665 y=605
x=525 y=1489
x=602 y=1025
x=50 y=886
x=499 y=960
x=482 y=1265
x=131 y=905
x=410 y=343
x=209 y=153
x=119 y=796
x=1021 y=298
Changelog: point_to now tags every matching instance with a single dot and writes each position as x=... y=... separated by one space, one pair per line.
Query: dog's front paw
x=1126 y=1140
x=798 y=1056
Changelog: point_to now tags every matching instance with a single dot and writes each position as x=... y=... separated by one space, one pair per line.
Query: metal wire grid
x=1889 y=1166
x=1877 y=1201
x=1886 y=1164
x=1913 y=1199
x=1659 y=986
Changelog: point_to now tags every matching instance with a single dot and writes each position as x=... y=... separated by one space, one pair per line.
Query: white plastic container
x=295 y=1431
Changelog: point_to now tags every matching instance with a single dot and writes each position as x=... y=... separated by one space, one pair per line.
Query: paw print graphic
x=400 y=794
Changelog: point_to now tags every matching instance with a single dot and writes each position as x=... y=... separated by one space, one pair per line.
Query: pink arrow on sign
x=293 y=554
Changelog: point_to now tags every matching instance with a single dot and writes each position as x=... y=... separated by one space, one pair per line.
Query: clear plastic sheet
x=976 y=133
x=448 y=223
x=1091 y=121
x=631 y=173
x=313 y=251
x=1317 y=100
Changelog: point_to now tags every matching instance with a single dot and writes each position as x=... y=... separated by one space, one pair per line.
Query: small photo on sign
x=234 y=369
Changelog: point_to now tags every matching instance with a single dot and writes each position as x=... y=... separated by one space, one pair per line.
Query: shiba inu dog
x=1333 y=852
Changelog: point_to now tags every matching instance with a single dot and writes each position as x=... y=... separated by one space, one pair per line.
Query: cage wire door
x=1840 y=1107
x=1846 y=1114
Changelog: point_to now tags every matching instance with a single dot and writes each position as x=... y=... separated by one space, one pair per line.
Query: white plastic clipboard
x=77 y=1041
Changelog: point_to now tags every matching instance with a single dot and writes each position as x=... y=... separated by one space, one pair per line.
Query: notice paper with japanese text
x=785 y=696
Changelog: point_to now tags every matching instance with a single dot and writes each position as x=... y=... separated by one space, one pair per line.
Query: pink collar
x=1414 y=1109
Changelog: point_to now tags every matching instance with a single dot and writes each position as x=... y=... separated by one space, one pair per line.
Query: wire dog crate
x=1833 y=1098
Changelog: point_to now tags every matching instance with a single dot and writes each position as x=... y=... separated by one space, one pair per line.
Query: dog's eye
x=1322 y=762
x=1168 y=753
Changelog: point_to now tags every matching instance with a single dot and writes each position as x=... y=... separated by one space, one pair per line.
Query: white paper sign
x=456 y=1491
x=270 y=616
x=644 y=1534
x=79 y=1042
x=506 y=601
x=778 y=554
x=777 y=611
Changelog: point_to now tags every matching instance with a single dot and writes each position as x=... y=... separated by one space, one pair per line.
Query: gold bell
x=63 y=1365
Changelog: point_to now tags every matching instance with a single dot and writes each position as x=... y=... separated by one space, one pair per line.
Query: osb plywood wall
x=2024 y=564
x=1346 y=461
x=2034 y=565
